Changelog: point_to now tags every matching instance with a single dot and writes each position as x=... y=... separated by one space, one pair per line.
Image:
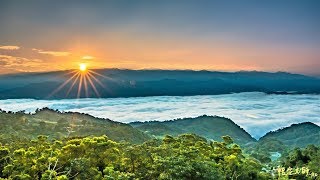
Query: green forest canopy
x=104 y=149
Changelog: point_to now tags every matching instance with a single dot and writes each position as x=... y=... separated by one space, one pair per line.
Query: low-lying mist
x=257 y=113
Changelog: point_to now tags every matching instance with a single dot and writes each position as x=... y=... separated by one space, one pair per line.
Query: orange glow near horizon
x=83 y=67
x=82 y=80
x=159 y=54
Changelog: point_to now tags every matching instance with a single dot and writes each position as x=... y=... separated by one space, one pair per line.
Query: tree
x=184 y=157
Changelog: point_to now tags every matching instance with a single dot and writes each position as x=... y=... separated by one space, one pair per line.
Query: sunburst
x=85 y=79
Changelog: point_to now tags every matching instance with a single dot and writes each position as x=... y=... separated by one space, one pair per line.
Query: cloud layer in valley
x=257 y=113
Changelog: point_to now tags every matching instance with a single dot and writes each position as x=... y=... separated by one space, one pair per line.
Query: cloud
x=274 y=111
x=9 y=47
x=87 y=57
x=13 y=60
x=2 y=62
x=52 y=53
x=14 y=63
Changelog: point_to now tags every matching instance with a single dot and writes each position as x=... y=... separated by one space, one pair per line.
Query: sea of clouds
x=256 y=112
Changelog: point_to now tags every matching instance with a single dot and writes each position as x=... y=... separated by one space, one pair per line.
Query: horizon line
x=159 y=69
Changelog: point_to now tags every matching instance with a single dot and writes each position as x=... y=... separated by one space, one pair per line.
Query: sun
x=83 y=67
x=88 y=82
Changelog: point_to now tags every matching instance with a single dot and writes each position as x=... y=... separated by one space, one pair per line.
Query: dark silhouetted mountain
x=132 y=83
x=297 y=135
x=210 y=127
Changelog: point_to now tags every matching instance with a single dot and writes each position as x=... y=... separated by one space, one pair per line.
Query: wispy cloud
x=9 y=47
x=52 y=53
x=14 y=63
x=13 y=60
x=87 y=57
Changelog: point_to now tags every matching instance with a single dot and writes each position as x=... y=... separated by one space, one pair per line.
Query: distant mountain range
x=58 y=125
x=132 y=83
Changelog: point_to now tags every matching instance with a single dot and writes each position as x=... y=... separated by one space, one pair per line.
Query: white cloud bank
x=257 y=113
x=9 y=47
x=52 y=53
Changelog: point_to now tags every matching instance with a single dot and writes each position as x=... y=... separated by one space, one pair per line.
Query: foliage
x=308 y=157
x=263 y=149
x=210 y=127
x=296 y=173
x=184 y=157
x=297 y=135
x=64 y=151
x=21 y=127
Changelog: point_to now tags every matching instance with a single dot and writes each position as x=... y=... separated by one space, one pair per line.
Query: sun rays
x=83 y=81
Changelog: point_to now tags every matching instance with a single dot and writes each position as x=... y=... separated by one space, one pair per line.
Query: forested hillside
x=210 y=127
x=297 y=135
x=57 y=145
x=185 y=157
x=56 y=125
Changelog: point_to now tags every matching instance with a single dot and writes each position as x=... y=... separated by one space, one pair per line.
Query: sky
x=225 y=35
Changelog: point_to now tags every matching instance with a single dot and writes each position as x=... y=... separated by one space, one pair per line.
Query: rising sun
x=82 y=67
x=86 y=80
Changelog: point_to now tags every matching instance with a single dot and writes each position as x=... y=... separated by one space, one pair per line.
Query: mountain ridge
x=55 y=123
x=210 y=127
x=298 y=135
x=141 y=83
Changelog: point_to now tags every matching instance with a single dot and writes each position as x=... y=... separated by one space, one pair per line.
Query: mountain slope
x=210 y=127
x=297 y=135
x=132 y=83
x=57 y=125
